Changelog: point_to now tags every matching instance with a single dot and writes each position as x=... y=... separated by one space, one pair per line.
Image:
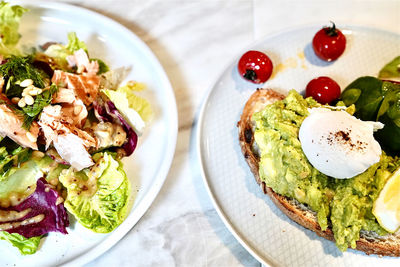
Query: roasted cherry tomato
x=329 y=43
x=255 y=66
x=323 y=89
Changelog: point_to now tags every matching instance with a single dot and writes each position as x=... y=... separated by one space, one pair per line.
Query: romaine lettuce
x=60 y=52
x=120 y=100
x=74 y=44
x=25 y=245
x=10 y=17
x=98 y=197
x=19 y=179
x=141 y=105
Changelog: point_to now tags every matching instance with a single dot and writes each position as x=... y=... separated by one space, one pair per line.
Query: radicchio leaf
x=107 y=112
x=44 y=201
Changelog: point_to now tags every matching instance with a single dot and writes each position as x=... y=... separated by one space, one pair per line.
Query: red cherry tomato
x=255 y=66
x=329 y=43
x=323 y=89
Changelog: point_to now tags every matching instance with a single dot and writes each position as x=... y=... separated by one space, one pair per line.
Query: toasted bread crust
x=256 y=102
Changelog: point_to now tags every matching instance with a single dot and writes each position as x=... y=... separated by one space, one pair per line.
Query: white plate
x=249 y=214
x=147 y=168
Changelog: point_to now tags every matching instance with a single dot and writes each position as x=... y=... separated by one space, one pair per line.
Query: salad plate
x=270 y=236
x=148 y=167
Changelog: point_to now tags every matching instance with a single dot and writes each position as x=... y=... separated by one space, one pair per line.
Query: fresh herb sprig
x=32 y=112
x=18 y=68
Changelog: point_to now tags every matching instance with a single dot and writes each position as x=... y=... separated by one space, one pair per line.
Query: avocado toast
x=369 y=241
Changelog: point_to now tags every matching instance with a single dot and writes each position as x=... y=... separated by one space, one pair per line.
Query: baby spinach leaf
x=366 y=94
x=377 y=100
x=391 y=70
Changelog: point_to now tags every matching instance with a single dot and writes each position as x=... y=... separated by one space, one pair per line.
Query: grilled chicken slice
x=70 y=142
x=11 y=126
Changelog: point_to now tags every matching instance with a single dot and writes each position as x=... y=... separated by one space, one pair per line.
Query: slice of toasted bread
x=369 y=242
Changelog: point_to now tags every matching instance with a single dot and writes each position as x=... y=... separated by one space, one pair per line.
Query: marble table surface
x=194 y=40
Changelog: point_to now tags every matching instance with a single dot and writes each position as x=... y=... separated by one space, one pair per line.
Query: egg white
x=338 y=144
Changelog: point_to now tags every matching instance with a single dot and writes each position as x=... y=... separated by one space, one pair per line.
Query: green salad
x=66 y=121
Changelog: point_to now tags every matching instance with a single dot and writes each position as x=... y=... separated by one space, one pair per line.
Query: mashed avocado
x=345 y=205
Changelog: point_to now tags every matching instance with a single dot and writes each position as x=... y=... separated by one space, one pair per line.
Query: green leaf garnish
x=10 y=16
x=18 y=69
x=391 y=70
x=41 y=101
x=25 y=245
x=103 y=68
x=74 y=44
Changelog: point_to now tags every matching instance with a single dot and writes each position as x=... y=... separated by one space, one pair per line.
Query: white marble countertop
x=194 y=40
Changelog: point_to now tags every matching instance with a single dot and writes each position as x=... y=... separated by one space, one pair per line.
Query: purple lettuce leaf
x=107 y=112
x=42 y=202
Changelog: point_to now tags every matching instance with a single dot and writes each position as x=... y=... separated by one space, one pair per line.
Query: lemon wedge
x=387 y=206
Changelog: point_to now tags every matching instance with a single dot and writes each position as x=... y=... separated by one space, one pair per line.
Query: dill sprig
x=32 y=112
x=19 y=68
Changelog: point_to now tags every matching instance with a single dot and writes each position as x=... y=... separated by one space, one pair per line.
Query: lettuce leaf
x=141 y=105
x=10 y=17
x=44 y=205
x=25 y=245
x=121 y=102
x=74 y=44
x=18 y=180
x=106 y=111
x=60 y=52
x=16 y=157
x=98 y=197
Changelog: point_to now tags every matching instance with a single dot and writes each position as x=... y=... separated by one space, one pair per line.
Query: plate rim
x=200 y=122
x=172 y=131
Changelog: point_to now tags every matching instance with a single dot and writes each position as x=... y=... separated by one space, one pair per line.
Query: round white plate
x=249 y=214
x=147 y=168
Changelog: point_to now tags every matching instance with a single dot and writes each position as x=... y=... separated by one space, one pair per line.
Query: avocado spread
x=344 y=205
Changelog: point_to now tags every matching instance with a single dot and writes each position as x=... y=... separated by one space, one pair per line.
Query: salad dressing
x=16 y=198
x=6 y=216
x=45 y=102
x=12 y=225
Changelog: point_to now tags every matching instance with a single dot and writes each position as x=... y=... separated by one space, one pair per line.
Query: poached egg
x=338 y=144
